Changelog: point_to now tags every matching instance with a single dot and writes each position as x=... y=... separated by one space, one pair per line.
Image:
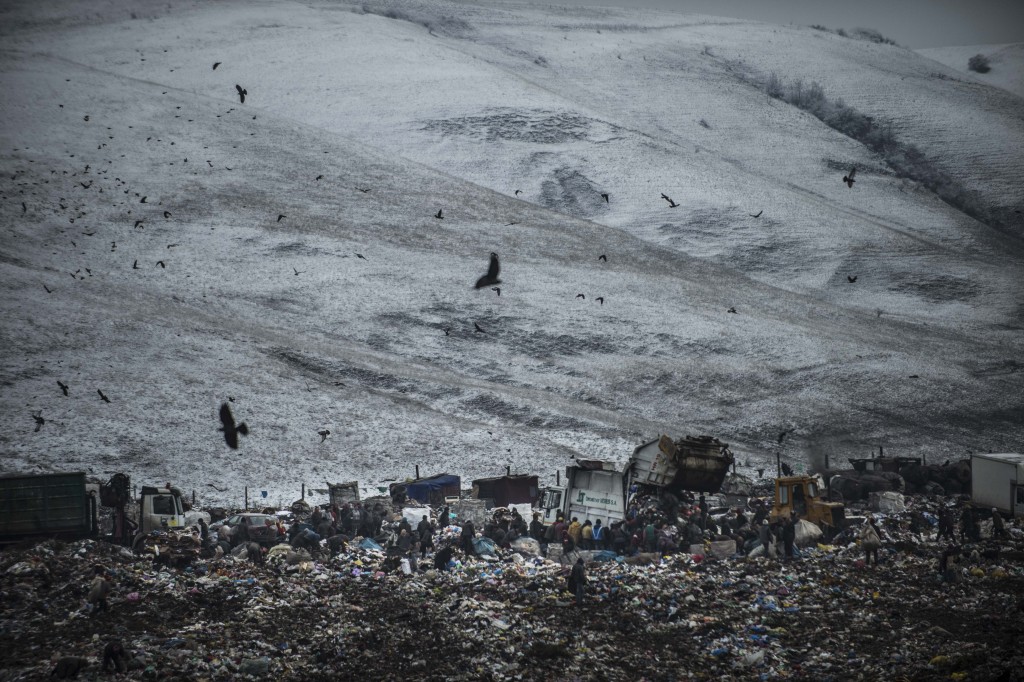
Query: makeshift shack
x=505 y=490
x=431 y=490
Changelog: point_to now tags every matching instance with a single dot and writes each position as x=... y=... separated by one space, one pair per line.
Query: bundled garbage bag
x=807 y=533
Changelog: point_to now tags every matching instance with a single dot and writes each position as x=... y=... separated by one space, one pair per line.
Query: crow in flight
x=48 y=289
x=581 y=296
x=241 y=93
x=848 y=179
x=142 y=200
x=603 y=257
x=39 y=421
x=496 y=290
x=161 y=264
x=600 y=299
x=447 y=331
x=137 y=223
x=324 y=434
x=280 y=215
x=215 y=65
x=167 y=214
x=492 y=273
x=851 y=280
x=438 y=215
x=479 y=329
x=758 y=214
x=604 y=195
x=63 y=387
x=518 y=192
x=731 y=310
x=135 y=265
x=228 y=427
x=319 y=177
x=364 y=191
x=359 y=255
x=297 y=273
x=671 y=204
x=102 y=396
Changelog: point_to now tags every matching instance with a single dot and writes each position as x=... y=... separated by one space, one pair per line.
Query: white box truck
x=997 y=480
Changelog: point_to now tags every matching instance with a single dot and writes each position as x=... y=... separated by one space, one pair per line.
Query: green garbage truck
x=59 y=505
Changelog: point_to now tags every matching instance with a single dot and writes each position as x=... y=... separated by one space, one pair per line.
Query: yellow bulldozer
x=802 y=494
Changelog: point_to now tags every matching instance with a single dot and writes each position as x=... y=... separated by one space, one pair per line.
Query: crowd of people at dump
x=652 y=525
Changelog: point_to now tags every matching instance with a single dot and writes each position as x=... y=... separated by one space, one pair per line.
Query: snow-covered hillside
x=362 y=121
x=1006 y=63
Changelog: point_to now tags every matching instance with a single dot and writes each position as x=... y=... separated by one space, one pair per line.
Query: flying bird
x=280 y=215
x=324 y=434
x=297 y=273
x=137 y=223
x=319 y=177
x=438 y=215
x=758 y=214
x=48 y=289
x=603 y=257
x=479 y=329
x=363 y=190
x=496 y=290
x=671 y=204
x=447 y=331
x=851 y=280
x=142 y=200
x=848 y=179
x=491 y=278
x=600 y=299
x=518 y=192
x=359 y=255
x=241 y=92
x=731 y=310
x=161 y=264
x=135 y=265
x=228 y=427
x=167 y=214
x=102 y=396
x=581 y=296
x=782 y=435
x=39 y=421
x=63 y=387
x=215 y=65
x=604 y=195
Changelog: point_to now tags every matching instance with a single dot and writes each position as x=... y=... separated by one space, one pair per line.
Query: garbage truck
x=997 y=482
x=597 y=489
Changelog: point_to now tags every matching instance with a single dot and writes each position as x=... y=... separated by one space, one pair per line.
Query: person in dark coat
x=764 y=534
x=998 y=527
x=468 y=533
x=945 y=525
x=578 y=581
x=537 y=529
x=789 y=536
x=443 y=518
x=99 y=590
x=115 y=658
x=204 y=531
x=442 y=557
x=704 y=509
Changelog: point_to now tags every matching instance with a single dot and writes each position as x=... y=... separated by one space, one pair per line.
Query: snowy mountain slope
x=1007 y=63
x=357 y=345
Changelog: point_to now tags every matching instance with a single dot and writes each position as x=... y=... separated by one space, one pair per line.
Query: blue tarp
x=421 y=490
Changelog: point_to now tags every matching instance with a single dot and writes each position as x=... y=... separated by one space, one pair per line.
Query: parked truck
x=997 y=481
x=599 y=490
x=47 y=505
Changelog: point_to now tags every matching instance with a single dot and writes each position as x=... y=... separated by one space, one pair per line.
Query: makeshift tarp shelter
x=506 y=490
x=431 y=490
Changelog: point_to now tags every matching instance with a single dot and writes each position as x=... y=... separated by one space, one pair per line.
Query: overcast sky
x=913 y=23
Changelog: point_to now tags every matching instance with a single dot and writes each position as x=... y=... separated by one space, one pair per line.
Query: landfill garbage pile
x=302 y=616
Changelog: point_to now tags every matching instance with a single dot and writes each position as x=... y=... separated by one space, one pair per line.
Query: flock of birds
x=232 y=430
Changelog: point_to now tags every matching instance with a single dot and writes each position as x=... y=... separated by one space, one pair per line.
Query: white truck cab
x=160 y=509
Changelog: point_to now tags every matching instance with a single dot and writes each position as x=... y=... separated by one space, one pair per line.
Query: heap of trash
x=506 y=614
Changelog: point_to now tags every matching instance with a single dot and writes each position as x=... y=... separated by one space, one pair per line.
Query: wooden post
x=303 y=492
x=558 y=478
x=508 y=470
x=193 y=497
x=246 y=498
x=417 y=472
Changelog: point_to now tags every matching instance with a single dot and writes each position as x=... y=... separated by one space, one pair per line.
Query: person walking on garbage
x=443 y=519
x=578 y=581
x=789 y=536
x=650 y=537
x=442 y=557
x=870 y=540
x=468 y=533
x=99 y=590
x=945 y=525
x=998 y=527
x=947 y=564
x=426 y=533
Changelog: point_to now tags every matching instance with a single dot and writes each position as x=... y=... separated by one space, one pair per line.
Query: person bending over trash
x=578 y=581
x=870 y=541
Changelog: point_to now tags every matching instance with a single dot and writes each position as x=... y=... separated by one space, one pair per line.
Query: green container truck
x=47 y=505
